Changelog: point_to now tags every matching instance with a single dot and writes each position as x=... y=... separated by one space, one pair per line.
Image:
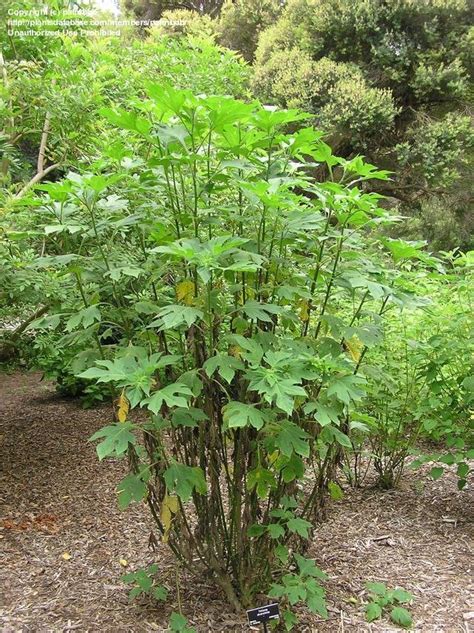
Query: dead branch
x=37 y=178
x=41 y=170
x=44 y=139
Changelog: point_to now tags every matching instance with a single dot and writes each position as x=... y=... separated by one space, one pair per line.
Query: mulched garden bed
x=64 y=543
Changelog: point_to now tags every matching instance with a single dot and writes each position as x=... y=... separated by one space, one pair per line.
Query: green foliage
x=393 y=417
x=302 y=586
x=446 y=365
x=67 y=82
x=216 y=265
x=143 y=581
x=445 y=222
x=179 y=624
x=393 y=80
x=241 y=22
x=209 y=287
x=422 y=386
x=116 y=439
x=75 y=79
x=336 y=93
x=183 y=22
x=37 y=47
x=432 y=149
x=184 y=480
x=399 y=44
x=383 y=599
x=155 y=9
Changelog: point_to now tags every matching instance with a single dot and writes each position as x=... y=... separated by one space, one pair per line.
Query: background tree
x=184 y=22
x=154 y=9
x=241 y=22
x=391 y=80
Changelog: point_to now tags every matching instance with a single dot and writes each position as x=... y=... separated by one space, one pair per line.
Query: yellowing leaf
x=185 y=291
x=169 y=507
x=273 y=457
x=124 y=562
x=235 y=351
x=66 y=556
x=173 y=503
x=354 y=346
x=123 y=408
x=304 y=310
x=335 y=491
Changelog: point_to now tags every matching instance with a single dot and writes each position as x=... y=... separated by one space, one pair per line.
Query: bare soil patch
x=58 y=502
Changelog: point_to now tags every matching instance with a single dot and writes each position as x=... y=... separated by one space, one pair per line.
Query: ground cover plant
x=383 y=598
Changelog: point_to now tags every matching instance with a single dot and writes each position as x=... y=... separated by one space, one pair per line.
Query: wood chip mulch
x=64 y=544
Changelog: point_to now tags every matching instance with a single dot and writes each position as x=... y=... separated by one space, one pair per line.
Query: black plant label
x=263 y=614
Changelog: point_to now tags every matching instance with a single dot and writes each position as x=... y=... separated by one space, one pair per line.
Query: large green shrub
x=336 y=93
x=210 y=286
x=154 y=9
x=188 y=263
x=430 y=153
x=442 y=221
x=290 y=31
